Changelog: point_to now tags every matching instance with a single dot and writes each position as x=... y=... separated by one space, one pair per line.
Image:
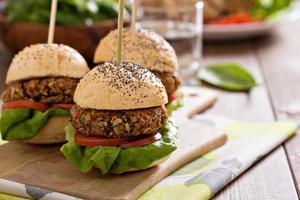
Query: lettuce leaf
x=24 y=124
x=177 y=103
x=115 y=160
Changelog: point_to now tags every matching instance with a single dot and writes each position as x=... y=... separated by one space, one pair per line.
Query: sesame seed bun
x=143 y=47
x=124 y=87
x=43 y=60
x=52 y=133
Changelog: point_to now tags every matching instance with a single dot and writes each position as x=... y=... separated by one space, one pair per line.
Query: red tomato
x=25 y=104
x=123 y=143
x=172 y=97
x=142 y=142
x=64 y=106
x=96 y=141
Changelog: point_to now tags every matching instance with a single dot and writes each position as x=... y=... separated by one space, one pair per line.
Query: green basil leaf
x=227 y=76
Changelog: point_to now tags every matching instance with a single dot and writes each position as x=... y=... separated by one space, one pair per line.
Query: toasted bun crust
x=52 y=133
x=124 y=87
x=42 y=60
x=142 y=47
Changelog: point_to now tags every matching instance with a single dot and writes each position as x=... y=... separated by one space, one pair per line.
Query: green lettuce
x=115 y=160
x=177 y=103
x=24 y=124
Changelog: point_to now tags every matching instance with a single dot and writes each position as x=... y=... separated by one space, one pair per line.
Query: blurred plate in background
x=250 y=30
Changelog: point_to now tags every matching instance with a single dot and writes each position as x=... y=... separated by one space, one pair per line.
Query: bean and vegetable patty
x=50 y=90
x=170 y=81
x=118 y=124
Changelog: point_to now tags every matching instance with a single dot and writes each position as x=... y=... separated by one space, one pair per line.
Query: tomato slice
x=123 y=143
x=172 y=97
x=64 y=106
x=141 y=142
x=25 y=104
x=96 y=141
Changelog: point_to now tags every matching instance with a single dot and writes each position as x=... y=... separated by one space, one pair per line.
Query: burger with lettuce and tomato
x=150 y=50
x=41 y=81
x=119 y=123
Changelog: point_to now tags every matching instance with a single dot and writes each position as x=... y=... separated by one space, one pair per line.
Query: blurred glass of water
x=180 y=22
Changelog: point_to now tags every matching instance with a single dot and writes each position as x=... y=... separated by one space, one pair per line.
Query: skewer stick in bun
x=120 y=32
x=133 y=13
x=52 y=21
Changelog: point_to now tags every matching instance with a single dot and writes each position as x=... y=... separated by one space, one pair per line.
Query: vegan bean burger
x=119 y=123
x=41 y=82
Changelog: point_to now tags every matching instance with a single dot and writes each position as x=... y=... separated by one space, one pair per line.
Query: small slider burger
x=147 y=49
x=119 y=123
x=41 y=82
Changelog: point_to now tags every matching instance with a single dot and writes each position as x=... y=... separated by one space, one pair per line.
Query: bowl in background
x=83 y=38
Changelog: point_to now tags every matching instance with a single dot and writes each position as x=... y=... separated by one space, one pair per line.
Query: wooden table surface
x=275 y=62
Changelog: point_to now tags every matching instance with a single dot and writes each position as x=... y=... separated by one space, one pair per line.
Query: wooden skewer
x=133 y=14
x=120 y=32
x=52 y=21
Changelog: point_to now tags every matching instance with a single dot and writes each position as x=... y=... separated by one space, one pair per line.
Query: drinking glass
x=180 y=22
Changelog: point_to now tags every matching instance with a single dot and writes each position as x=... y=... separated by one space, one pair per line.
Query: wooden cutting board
x=44 y=166
x=195 y=101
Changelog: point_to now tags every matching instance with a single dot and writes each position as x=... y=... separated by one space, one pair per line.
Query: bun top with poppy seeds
x=140 y=46
x=124 y=87
x=45 y=60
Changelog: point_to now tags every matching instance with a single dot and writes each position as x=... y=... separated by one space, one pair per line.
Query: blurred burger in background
x=147 y=49
x=41 y=82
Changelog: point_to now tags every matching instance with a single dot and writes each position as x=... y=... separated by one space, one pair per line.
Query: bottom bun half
x=52 y=133
x=155 y=163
